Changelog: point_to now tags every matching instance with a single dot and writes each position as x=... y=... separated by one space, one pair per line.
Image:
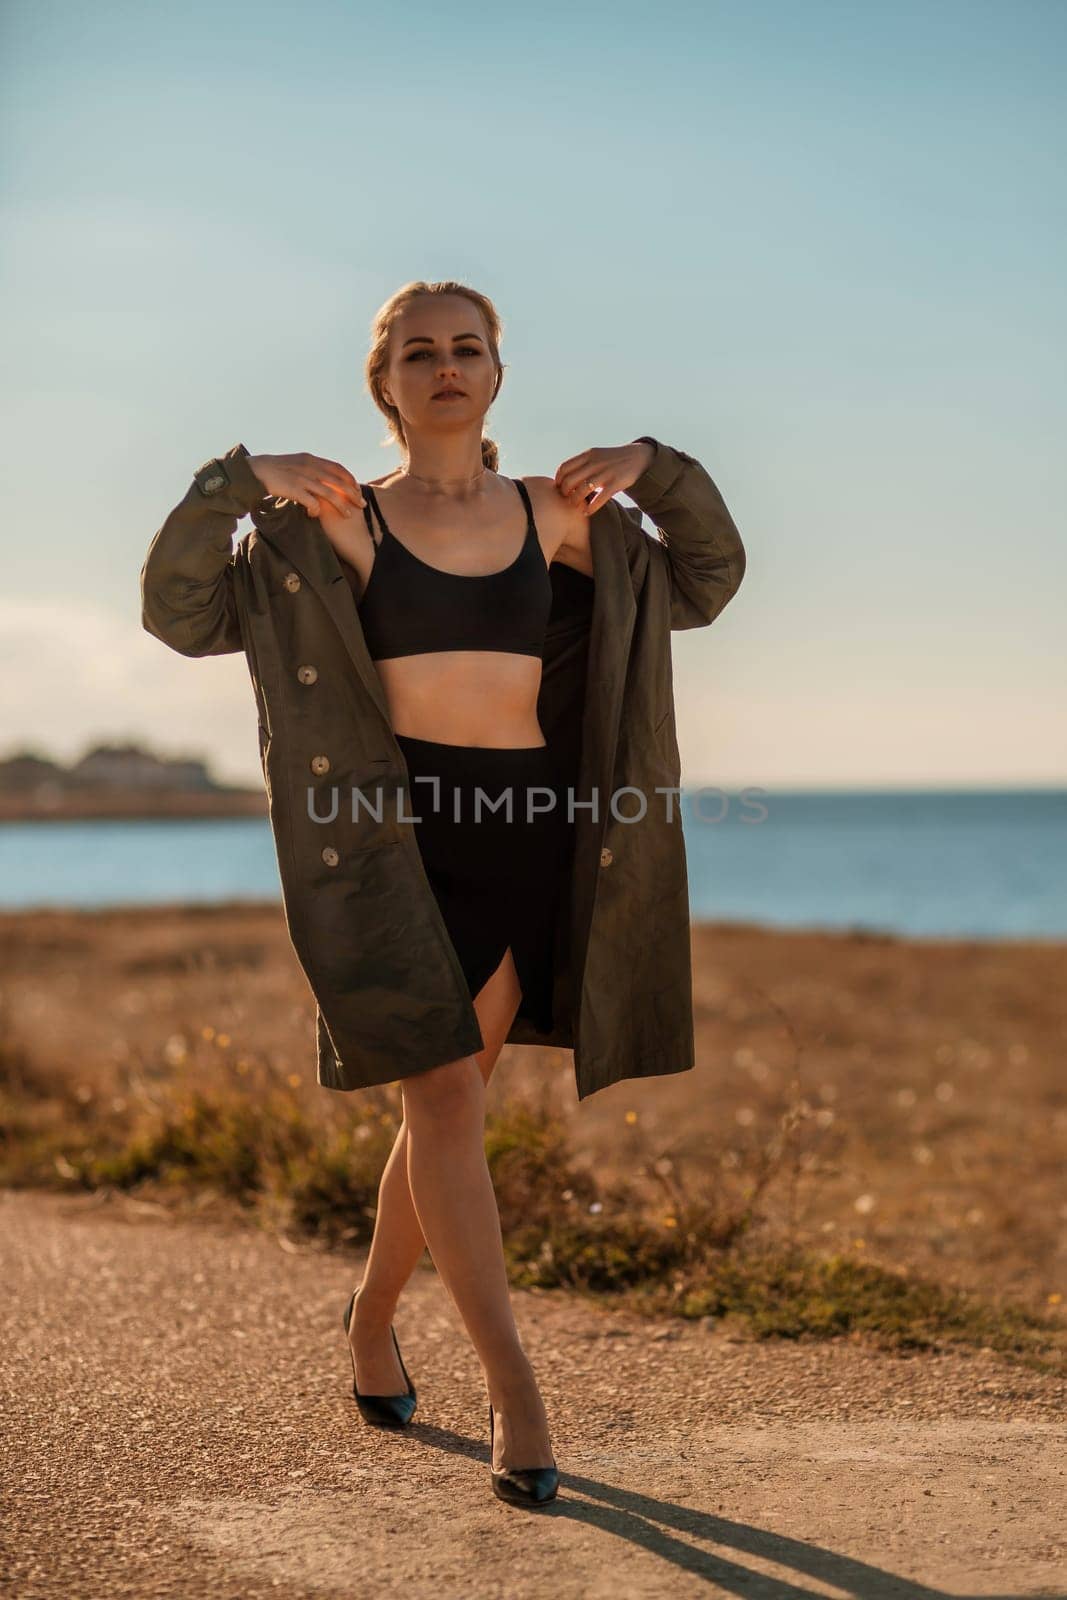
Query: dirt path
x=178 y=1421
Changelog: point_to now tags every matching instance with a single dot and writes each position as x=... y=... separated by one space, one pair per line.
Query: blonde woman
x=455 y=571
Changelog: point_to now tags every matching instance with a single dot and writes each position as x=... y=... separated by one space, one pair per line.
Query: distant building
x=25 y=773
x=129 y=767
x=122 y=767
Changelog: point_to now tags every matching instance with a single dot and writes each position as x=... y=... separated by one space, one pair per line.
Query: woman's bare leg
x=398 y=1242
x=444 y=1108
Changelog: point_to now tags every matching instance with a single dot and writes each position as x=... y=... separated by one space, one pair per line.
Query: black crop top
x=409 y=608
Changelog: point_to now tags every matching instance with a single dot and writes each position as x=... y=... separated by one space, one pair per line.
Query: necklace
x=436 y=483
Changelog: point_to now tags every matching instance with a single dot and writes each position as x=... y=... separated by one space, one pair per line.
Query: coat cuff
x=698 y=539
x=241 y=494
x=661 y=472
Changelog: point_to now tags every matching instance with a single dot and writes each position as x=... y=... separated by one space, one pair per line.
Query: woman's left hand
x=600 y=473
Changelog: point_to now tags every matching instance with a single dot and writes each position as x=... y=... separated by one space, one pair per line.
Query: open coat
x=363 y=920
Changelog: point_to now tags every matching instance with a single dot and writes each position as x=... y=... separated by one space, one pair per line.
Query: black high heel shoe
x=522 y=1486
x=384 y=1410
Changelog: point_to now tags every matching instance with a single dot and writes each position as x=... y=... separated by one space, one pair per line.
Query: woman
x=453 y=606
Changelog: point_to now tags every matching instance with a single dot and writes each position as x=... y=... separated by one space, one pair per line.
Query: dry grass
x=672 y=1238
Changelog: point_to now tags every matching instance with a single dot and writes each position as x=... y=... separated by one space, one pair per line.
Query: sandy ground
x=178 y=1420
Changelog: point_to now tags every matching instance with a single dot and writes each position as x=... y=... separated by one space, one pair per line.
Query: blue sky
x=819 y=246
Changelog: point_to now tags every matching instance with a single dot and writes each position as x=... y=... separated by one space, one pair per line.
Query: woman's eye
x=469 y=350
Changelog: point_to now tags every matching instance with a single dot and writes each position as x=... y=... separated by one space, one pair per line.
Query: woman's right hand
x=310 y=480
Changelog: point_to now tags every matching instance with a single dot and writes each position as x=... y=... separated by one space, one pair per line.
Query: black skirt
x=494 y=838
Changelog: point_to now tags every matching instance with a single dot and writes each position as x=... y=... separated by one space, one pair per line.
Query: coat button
x=606 y=857
x=307 y=674
x=330 y=856
x=292 y=581
x=320 y=764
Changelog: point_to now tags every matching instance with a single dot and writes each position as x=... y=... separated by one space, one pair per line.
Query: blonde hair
x=378 y=354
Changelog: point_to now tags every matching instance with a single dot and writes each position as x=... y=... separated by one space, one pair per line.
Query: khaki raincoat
x=363 y=920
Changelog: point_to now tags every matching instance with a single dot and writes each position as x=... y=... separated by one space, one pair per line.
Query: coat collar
x=618 y=571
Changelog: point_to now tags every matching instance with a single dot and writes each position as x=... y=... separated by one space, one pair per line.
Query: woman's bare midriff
x=472 y=697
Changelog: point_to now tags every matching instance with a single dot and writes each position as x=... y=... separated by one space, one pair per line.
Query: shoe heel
x=382 y=1410
x=522 y=1486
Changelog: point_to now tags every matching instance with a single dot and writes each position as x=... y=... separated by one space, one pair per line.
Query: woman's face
x=439 y=342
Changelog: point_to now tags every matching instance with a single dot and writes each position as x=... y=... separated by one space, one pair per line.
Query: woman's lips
x=450 y=394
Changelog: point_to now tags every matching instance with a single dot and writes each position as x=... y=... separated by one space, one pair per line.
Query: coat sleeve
x=700 y=544
x=187 y=580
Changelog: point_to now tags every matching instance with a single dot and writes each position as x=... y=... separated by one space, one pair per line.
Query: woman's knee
x=454 y=1090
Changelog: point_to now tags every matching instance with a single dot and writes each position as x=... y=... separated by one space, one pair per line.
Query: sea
x=980 y=864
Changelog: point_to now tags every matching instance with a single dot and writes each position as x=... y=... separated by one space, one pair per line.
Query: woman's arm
x=699 y=538
x=187 y=581
x=699 y=542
